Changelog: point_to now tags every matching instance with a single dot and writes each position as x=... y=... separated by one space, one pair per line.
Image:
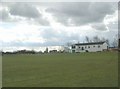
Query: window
x=94 y=46
x=85 y=46
x=79 y=46
x=73 y=46
x=88 y=46
x=98 y=46
x=73 y=51
x=82 y=48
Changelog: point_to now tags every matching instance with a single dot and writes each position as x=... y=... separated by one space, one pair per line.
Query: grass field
x=61 y=70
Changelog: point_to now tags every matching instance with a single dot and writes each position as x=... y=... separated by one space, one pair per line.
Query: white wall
x=105 y=46
x=93 y=48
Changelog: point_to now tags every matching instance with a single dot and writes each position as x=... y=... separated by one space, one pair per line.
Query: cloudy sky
x=28 y=25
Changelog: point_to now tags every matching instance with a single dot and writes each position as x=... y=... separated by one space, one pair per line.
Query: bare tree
x=46 y=51
x=115 y=41
x=87 y=39
x=105 y=40
x=68 y=44
x=96 y=39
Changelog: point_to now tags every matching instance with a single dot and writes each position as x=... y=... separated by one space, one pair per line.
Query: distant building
x=89 y=47
x=53 y=51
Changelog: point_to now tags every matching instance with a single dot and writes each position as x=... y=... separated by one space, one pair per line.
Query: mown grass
x=61 y=70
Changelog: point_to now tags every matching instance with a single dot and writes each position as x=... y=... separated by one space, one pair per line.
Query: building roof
x=91 y=43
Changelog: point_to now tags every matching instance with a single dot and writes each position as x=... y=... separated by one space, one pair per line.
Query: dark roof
x=91 y=43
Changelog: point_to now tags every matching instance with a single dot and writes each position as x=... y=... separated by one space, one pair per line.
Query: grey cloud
x=113 y=26
x=25 y=10
x=99 y=26
x=81 y=13
x=4 y=15
x=61 y=38
x=41 y=21
x=67 y=13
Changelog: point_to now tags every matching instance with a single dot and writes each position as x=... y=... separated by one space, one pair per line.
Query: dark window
x=94 y=46
x=85 y=46
x=88 y=46
x=98 y=46
x=79 y=47
x=73 y=51
x=82 y=48
x=73 y=46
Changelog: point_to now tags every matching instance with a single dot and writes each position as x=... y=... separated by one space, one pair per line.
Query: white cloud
x=111 y=18
x=20 y=32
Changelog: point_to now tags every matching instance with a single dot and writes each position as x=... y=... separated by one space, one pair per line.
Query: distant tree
x=40 y=52
x=115 y=41
x=106 y=40
x=68 y=47
x=68 y=44
x=103 y=39
x=32 y=51
x=46 y=51
x=96 y=39
x=87 y=39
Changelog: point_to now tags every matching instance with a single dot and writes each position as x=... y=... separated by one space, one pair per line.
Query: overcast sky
x=31 y=25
